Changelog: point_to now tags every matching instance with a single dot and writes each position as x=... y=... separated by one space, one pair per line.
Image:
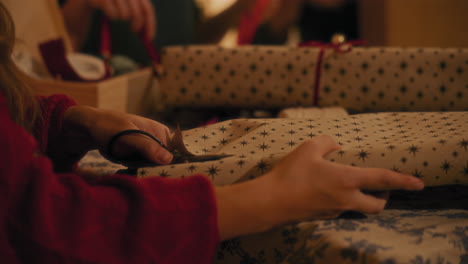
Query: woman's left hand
x=86 y=128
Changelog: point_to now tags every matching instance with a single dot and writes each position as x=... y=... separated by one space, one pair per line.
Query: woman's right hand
x=140 y=13
x=307 y=186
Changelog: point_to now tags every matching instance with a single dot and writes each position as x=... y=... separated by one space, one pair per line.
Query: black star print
x=204 y=137
x=223 y=141
x=163 y=173
x=403 y=65
x=253 y=67
x=358 y=139
x=264 y=133
x=341 y=153
x=243 y=143
x=442 y=65
x=291 y=143
x=291 y=132
x=465 y=170
x=364 y=66
x=446 y=166
x=240 y=163
x=413 y=150
x=442 y=89
x=212 y=171
x=357 y=130
x=338 y=135
x=464 y=144
x=263 y=146
x=363 y=155
x=403 y=89
x=205 y=150
x=222 y=129
x=262 y=166
x=192 y=168
x=417 y=173
x=247 y=128
x=310 y=135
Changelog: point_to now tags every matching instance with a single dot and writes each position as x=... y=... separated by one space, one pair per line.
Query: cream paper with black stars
x=247 y=76
x=396 y=79
x=364 y=79
x=432 y=146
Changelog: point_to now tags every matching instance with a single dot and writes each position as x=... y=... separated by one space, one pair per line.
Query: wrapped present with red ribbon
x=316 y=74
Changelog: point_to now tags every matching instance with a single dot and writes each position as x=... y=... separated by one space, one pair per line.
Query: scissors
x=176 y=147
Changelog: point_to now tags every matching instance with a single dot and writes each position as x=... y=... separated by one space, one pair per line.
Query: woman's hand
x=140 y=13
x=305 y=186
x=86 y=128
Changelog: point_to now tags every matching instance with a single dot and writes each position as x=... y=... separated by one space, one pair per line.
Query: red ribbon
x=250 y=21
x=106 y=44
x=339 y=48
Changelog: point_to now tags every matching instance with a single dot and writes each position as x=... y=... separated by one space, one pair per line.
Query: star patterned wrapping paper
x=242 y=77
x=432 y=145
x=363 y=79
x=395 y=79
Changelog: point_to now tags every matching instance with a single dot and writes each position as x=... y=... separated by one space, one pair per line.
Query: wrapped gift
x=432 y=146
x=395 y=79
x=361 y=79
x=241 y=77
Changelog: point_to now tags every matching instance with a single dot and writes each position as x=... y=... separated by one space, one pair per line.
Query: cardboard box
x=42 y=21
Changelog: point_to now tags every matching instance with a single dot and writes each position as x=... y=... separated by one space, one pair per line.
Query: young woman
x=49 y=214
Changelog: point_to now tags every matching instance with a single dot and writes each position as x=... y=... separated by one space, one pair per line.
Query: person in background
x=317 y=20
x=51 y=214
x=178 y=22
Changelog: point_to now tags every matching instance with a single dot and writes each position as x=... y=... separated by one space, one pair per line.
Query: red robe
x=47 y=217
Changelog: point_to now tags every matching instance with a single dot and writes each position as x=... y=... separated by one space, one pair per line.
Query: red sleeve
x=60 y=218
x=49 y=131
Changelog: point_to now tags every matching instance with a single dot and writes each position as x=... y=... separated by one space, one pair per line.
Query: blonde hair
x=22 y=102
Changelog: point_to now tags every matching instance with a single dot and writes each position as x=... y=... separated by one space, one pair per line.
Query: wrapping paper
x=432 y=146
x=395 y=79
x=362 y=79
x=242 y=77
x=394 y=236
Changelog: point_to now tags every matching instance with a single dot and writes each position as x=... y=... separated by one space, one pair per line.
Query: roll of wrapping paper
x=430 y=145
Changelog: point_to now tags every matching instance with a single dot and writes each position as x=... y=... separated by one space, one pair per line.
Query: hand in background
x=140 y=13
x=86 y=128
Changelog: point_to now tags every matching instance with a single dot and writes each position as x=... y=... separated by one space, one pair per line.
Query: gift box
x=432 y=145
x=41 y=22
x=356 y=78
